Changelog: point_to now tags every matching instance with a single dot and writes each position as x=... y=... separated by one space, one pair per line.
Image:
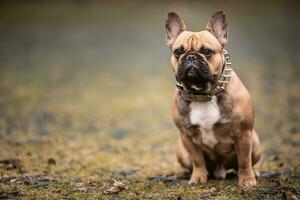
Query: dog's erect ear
x=174 y=26
x=217 y=25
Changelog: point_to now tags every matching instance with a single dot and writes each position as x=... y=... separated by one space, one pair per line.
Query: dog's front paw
x=247 y=180
x=199 y=175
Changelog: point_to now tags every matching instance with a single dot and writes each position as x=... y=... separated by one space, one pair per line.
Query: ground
x=78 y=139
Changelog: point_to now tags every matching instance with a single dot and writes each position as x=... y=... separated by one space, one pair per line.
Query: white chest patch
x=205 y=114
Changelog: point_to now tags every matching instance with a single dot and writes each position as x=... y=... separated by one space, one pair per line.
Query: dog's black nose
x=191 y=57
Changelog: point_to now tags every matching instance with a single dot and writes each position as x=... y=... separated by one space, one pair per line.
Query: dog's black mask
x=193 y=70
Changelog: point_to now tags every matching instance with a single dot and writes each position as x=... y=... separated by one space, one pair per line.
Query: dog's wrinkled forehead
x=194 y=41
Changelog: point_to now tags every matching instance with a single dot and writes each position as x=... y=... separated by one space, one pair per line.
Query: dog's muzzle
x=197 y=94
x=193 y=70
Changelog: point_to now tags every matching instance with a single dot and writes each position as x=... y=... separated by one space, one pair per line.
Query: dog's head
x=197 y=57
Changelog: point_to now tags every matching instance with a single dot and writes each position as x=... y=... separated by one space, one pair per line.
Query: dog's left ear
x=217 y=25
x=174 y=26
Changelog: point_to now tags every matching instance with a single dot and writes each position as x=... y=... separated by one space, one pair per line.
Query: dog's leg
x=256 y=152
x=199 y=174
x=183 y=157
x=220 y=172
x=244 y=156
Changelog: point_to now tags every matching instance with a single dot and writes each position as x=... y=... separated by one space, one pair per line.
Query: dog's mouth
x=193 y=87
x=194 y=74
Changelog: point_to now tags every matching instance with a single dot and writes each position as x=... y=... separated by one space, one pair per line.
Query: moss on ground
x=74 y=140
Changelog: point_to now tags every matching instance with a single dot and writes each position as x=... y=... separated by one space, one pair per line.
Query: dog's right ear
x=174 y=26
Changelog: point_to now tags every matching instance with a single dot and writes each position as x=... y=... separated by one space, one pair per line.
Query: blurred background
x=84 y=81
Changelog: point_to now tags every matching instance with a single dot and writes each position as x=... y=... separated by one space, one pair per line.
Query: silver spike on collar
x=221 y=85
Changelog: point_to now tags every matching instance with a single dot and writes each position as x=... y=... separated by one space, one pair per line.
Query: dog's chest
x=205 y=115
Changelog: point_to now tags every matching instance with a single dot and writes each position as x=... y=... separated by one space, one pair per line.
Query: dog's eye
x=178 y=53
x=207 y=52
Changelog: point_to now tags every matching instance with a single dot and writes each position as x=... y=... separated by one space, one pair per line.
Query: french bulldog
x=211 y=107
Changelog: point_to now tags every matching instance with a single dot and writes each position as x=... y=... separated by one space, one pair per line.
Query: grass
x=71 y=139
